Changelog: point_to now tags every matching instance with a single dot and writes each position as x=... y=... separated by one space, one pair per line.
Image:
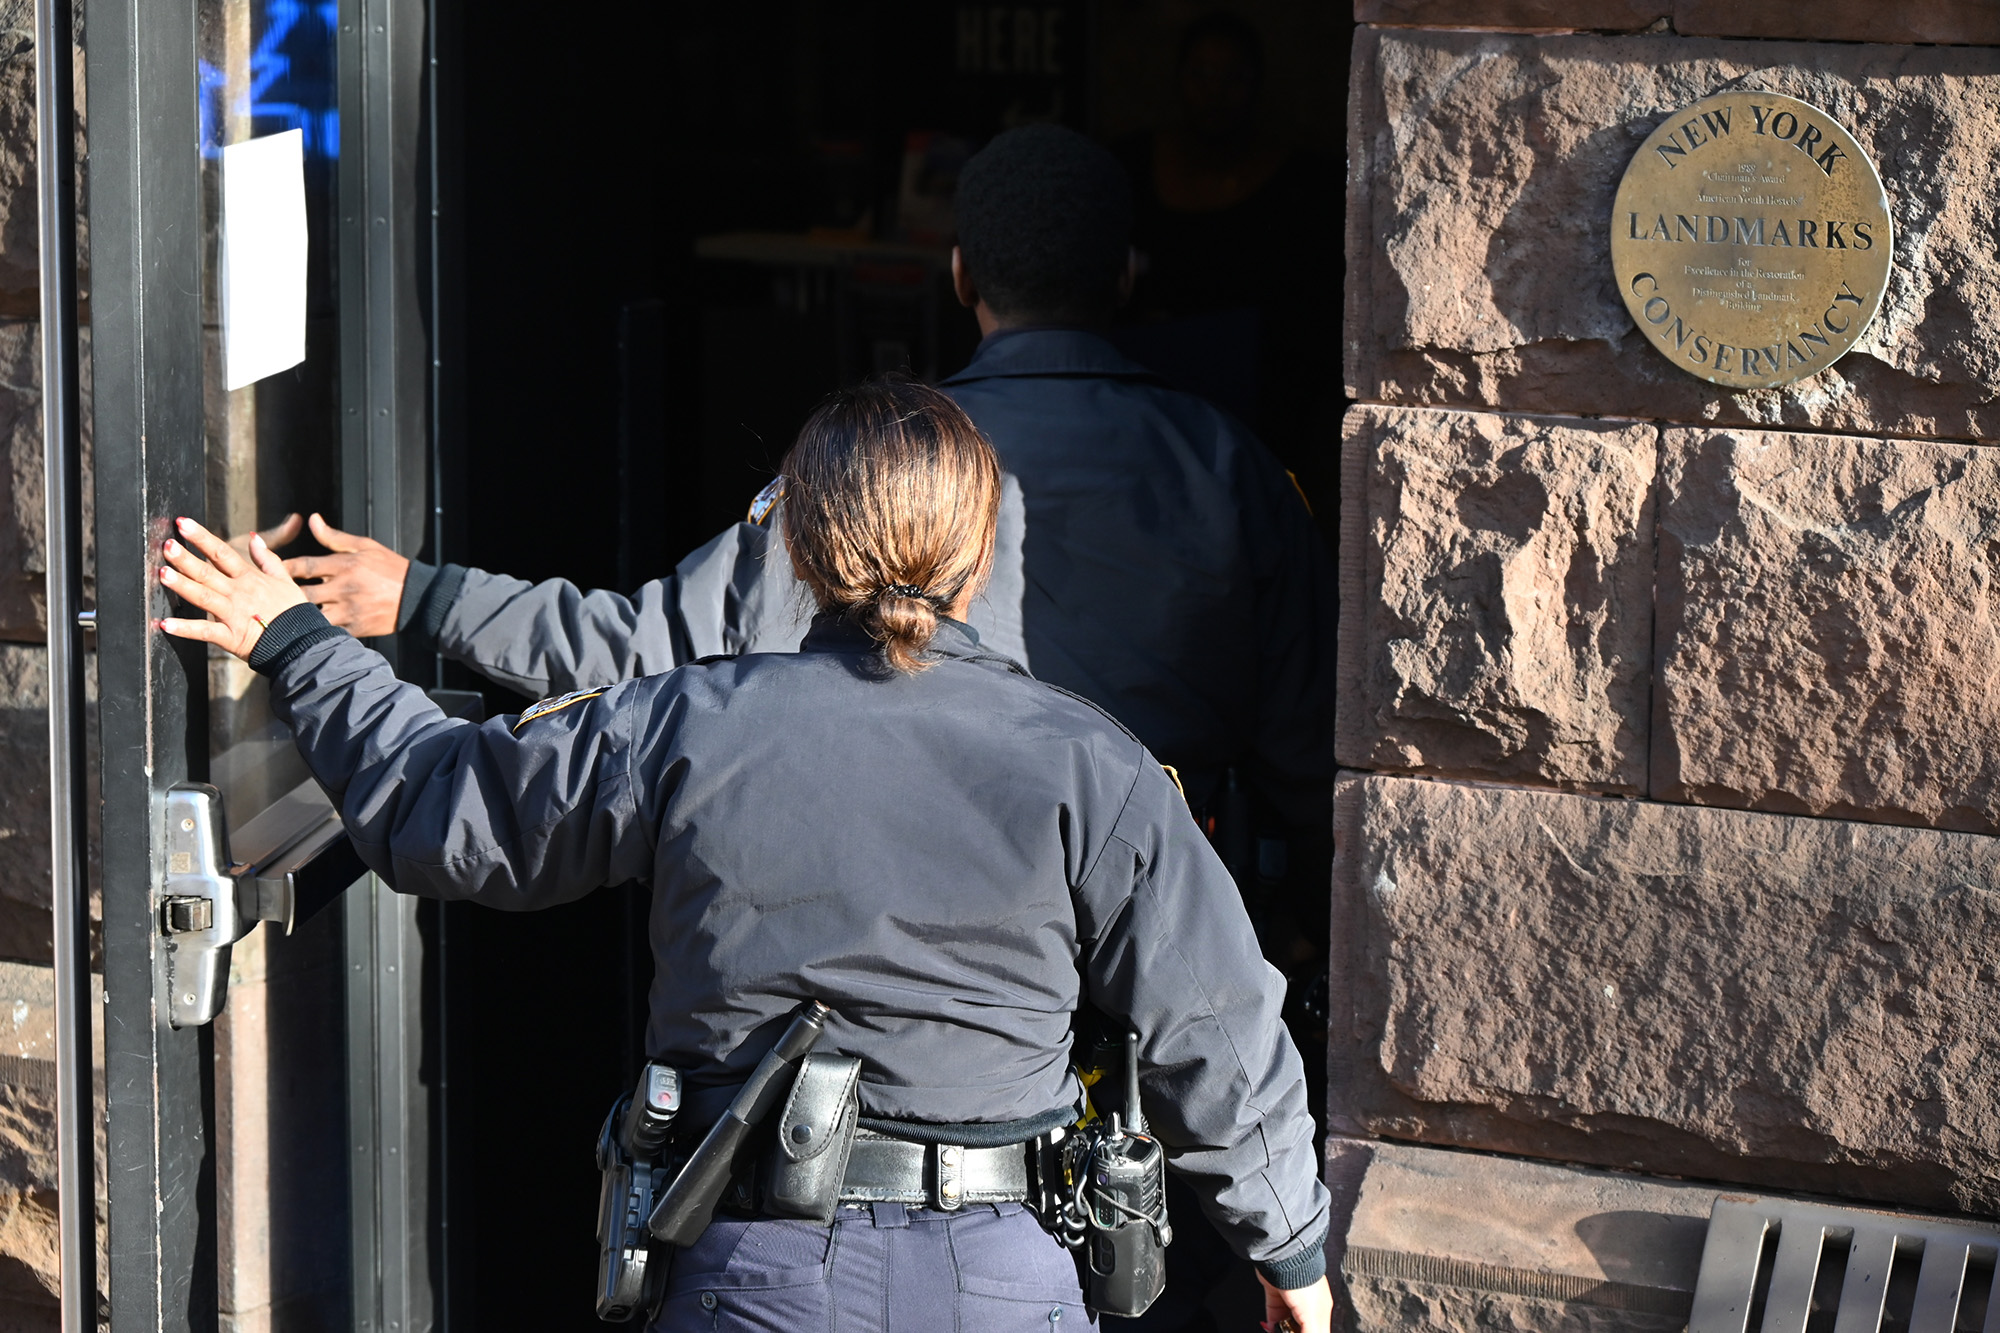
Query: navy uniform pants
x=880 y=1268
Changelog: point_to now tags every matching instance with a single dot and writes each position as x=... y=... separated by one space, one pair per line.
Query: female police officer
x=948 y=853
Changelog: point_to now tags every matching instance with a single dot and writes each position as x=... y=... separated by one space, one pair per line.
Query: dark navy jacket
x=1152 y=556
x=946 y=859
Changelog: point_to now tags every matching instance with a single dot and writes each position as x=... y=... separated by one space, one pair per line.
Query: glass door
x=267 y=1167
x=146 y=358
x=266 y=68
x=266 y=74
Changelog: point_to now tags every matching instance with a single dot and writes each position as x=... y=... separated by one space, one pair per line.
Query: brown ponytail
x=891 y=498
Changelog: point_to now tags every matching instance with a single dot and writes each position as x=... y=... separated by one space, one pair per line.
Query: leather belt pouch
x=815 y=1135
x=885 y=1169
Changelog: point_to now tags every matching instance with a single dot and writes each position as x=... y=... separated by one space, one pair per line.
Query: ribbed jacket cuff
x=290 y=633
x=429 y=592
x=1298 y=1270
x=416 y=581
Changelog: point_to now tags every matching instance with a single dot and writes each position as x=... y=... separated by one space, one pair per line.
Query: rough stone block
x=1966 y=21
x=1794 y=1003
x=1458 y=1242
x=1441 y=1240
x=1482 y=170
x=1559 y=15
x=22 y=545
x=1962 y=21
x=30 y=1271
x=1498 y=577
x=1829 y=627
x=20 y=250
x=24 y=799
x=23 y=527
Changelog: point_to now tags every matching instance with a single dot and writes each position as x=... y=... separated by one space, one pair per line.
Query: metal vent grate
x=1774 y=1266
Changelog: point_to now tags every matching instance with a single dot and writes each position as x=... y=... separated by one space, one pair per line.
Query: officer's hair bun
x=891 y=500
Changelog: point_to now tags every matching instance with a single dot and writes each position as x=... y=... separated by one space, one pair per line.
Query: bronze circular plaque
x=1751 y=239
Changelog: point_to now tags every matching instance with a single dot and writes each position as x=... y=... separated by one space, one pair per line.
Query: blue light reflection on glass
x=291 y=79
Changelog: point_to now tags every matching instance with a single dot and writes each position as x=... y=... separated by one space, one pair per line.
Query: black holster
x=813 y=1139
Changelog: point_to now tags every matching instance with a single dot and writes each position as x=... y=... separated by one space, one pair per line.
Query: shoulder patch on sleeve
x=767 y=500
x=1174 y=776
x=554 y=704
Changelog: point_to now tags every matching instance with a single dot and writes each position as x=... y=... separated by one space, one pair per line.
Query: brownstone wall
x=1956 y=21
x=28 y=1261
x=1668 y=837
x=24 y=809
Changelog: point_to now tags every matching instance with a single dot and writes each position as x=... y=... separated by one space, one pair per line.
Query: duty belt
x=883 y=1169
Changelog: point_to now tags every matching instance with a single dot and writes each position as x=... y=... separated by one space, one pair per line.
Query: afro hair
x=1045 y=225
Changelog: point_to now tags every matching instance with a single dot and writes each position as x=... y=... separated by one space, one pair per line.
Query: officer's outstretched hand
x=241 y=596
x=1307 y=1310
x=359 y=587
x=274 y=536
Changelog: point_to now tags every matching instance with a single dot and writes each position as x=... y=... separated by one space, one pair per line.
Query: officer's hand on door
x=359 y=587
x=1307 y=1310
x=242 y=596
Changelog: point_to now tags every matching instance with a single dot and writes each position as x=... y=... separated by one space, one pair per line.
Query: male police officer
x=1152 y=556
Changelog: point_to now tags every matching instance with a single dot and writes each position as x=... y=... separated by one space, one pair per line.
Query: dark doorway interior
x=663 y=236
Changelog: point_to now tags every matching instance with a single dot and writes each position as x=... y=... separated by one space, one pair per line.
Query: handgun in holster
x=652 y=1192
x=687 y=1204
x=628 y=1158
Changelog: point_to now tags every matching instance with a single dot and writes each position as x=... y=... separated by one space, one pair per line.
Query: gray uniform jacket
x=1152 y=557
x=947 y=859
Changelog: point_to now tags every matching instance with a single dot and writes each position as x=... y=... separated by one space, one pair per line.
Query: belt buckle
x=948 y=1170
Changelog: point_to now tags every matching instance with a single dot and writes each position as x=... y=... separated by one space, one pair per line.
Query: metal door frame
x=69 y=851
x=147 y=355
x=386 y=458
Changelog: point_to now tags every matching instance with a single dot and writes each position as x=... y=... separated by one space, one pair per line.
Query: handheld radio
x=1125 y=1193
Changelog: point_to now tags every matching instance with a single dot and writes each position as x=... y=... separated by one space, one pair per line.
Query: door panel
x=386 y=460
x=285 y=1185
x=146 y=400
x=267 y=67
x=304 y=1101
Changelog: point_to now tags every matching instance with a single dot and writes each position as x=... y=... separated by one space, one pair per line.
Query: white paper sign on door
x=263 y=257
